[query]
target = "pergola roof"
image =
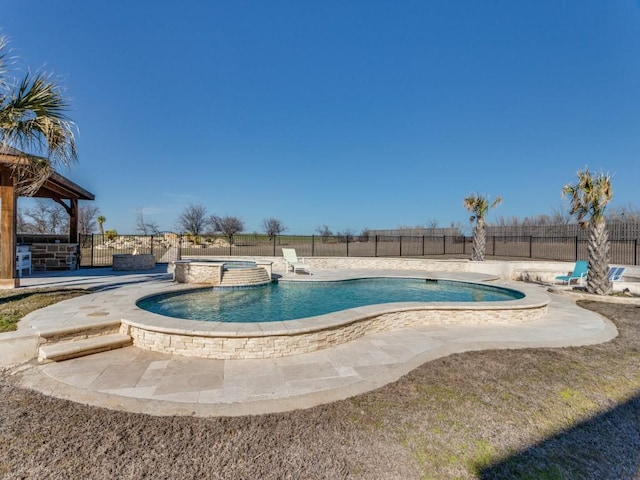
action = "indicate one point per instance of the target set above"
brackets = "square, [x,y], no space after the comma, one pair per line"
[56,186]
[60,189]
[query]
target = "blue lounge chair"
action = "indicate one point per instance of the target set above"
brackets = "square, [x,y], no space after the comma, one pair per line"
[615,273]
[579,274]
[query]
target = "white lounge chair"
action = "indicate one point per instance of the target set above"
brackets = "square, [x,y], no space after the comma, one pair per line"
[292,263]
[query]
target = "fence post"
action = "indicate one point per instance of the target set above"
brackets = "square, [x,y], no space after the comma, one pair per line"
[530,246]
[346,239]
[576,248]
[444,245]
[274,245]
[494,245]
[313,245]
[635,252]
[151,244]
[400,245]
[92,249]
[375,246]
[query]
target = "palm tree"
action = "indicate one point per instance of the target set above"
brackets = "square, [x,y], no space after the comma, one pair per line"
[479,207]
[589,198]
[101,219]
[33,120]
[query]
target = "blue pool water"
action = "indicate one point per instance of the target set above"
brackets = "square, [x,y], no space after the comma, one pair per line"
[291,300]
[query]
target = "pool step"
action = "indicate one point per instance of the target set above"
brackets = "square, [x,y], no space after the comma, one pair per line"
[238,277]
[57,352]
[63,343]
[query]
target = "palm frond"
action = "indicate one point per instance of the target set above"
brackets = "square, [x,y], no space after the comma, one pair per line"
[33,120]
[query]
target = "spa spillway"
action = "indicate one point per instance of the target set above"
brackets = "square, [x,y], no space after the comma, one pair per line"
[222,273]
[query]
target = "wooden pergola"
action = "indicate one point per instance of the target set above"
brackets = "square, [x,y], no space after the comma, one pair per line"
[56,187]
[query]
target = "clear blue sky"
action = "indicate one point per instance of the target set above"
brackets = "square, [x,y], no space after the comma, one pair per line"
[353,114]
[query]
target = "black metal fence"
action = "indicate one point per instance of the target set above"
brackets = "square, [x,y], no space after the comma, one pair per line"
[98,250]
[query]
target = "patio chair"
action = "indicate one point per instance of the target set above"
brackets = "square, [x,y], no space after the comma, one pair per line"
[615,273]
[23,260]
[579,274]
[291,261]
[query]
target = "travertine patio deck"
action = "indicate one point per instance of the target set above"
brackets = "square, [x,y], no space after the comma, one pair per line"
[137,380]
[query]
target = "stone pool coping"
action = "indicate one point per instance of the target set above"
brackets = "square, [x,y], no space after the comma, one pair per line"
[221,340]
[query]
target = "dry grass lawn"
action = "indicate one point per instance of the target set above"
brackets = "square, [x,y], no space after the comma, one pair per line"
[568,413]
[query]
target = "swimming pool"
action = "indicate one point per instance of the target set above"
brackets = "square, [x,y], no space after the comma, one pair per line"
[293,300]
[272,339]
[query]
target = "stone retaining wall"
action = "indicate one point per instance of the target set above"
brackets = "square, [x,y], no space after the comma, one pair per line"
[264,345]
[525,270]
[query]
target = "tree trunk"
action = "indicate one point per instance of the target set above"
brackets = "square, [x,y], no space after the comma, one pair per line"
[598,256]
[479,242]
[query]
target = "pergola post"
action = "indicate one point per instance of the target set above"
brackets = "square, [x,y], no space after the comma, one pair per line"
[74,215]
[9,199]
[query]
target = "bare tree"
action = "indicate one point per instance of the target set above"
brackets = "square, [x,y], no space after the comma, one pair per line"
[512,221]
[364,235]
[272,227]
[228,226]
[87,219]
[21,223]
[560,216]
[346,235]
[458,227]
[624,214]
[45,217]
[194,219]
[145,227]
[324,232]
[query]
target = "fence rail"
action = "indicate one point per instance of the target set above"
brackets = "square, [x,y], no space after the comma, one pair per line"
[98,250]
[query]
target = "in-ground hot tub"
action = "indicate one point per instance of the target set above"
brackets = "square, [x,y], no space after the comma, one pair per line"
[211,271]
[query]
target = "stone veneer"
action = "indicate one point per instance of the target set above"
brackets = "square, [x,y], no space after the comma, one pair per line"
[188,271]
[128,261]
[54,256]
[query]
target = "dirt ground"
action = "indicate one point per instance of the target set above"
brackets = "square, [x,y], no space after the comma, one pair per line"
[535,413]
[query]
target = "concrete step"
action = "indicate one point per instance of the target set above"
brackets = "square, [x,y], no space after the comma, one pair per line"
[79,332]
[59,351]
